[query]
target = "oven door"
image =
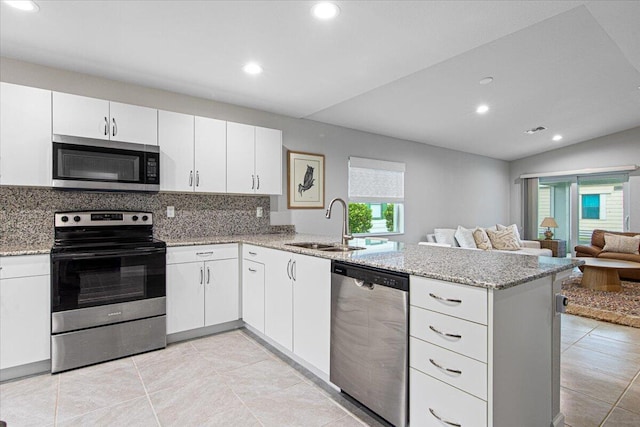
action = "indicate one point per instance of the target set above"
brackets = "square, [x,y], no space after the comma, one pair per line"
[104,165]
[81,279]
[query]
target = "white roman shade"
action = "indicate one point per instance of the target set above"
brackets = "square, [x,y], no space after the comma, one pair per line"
[375,180]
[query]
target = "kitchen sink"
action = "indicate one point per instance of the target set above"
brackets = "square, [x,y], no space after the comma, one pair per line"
[342,249]
[311,245]
[324,247]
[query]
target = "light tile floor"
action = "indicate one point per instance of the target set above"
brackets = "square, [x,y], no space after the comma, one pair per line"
[235,379]
[600,373]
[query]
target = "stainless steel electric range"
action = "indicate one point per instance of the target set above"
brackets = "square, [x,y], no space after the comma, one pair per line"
[108,287]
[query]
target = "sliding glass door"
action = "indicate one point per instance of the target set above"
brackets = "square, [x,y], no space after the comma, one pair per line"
[581,204]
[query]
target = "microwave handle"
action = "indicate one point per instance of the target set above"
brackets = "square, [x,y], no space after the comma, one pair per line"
[106,254]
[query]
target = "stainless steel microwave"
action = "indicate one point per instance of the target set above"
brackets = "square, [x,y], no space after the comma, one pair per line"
[96,164]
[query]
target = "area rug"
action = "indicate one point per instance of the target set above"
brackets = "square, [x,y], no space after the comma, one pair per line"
[622,307]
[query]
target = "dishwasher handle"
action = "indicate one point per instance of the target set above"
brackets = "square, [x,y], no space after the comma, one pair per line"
[362,284]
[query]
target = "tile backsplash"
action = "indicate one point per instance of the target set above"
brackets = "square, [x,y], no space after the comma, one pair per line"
[26,214]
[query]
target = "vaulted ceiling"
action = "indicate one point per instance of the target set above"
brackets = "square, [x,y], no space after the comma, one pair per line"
[406,69]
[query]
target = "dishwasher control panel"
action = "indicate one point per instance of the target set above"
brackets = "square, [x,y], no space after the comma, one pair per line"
[371,275]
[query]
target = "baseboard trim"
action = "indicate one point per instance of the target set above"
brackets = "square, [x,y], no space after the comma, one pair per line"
[207,330]
[26,370]
[558,421]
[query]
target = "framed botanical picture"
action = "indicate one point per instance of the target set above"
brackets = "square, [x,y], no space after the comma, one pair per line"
[305,180]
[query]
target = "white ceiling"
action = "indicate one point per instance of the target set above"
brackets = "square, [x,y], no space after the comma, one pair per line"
[406,69]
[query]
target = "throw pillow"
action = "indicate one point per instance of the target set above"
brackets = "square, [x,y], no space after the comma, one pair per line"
[445,235]
[504,240]
[464,237]
[482,239]
[514,230]
[621,244]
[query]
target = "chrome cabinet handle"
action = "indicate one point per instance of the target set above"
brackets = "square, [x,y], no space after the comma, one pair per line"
[209,277]
[453,371]
[289,269]
[252,253]
[252,270]
[115,126]
[439,298]
[204,253]
[201,275]
[293,270]
[258,187]
[190,178]
[444,334]
[106,126]
[443,420]
[197,178]
[253,182]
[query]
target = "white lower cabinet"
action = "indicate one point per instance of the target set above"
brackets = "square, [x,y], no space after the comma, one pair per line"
[296,301]
[25,310]
[202,286]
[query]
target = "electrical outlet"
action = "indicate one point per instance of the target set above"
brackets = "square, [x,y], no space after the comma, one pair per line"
[171,211]
[259,212]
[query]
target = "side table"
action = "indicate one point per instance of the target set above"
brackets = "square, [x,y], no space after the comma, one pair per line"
[558,247]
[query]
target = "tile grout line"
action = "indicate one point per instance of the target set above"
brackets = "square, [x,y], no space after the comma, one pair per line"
[615,405]
[55,413]
[146,392]
[246,406]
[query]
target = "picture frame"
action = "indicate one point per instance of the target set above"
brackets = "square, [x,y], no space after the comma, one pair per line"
[305,180]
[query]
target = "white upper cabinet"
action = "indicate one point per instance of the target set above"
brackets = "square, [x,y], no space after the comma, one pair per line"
[100,119]
[254,159]
[268,161]
[131,123]
[210,155]
[175,137]
[25,135]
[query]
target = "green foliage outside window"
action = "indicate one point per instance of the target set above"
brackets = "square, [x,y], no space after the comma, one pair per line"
[359,218]
[388,215]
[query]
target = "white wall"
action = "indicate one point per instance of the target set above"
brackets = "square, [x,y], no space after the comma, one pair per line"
[618,149]
[443,188]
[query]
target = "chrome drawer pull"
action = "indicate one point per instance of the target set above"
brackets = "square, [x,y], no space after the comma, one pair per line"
[453,371]
[455,301]
[444,334]
[204,253]
[443,420]
[252,270]
[252,253]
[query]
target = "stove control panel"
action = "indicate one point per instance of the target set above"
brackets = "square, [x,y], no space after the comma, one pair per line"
[102,218]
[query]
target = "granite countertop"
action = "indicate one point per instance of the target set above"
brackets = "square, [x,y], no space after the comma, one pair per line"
[488,269]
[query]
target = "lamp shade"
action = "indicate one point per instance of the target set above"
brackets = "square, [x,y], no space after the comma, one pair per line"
[549,222]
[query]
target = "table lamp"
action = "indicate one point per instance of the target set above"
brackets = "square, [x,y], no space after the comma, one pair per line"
[549,222]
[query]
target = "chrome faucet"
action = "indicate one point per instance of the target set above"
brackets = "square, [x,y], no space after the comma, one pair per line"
[346,236]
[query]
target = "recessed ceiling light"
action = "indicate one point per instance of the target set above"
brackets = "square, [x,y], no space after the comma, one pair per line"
[252,68]
[557,137]
[482,109]
[325,10]
[486,80]
[24,5]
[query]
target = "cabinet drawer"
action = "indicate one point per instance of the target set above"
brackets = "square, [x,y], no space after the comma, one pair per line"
[254,253]
[24,266]
[469,339]
[439,363]
[465,302]
[183,254]
[431,398]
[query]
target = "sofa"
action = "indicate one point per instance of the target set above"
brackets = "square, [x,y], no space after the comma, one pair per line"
[526,247]
[596,249]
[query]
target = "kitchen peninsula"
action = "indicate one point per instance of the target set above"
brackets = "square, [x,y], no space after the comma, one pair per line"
[502,305]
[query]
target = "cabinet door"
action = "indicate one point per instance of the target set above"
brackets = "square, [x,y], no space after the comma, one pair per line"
[210,155]
[185,297]
[268,161]
[278,297]
[131,123]
[25,135]
[240,158]
[253,294]
[175,137]
[222,291]
[80,116]
[25,316]
[312,310]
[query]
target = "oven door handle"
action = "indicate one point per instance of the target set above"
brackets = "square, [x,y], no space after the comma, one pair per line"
[107,254]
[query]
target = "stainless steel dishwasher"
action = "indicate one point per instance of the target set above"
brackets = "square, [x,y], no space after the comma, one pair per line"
[369,338]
